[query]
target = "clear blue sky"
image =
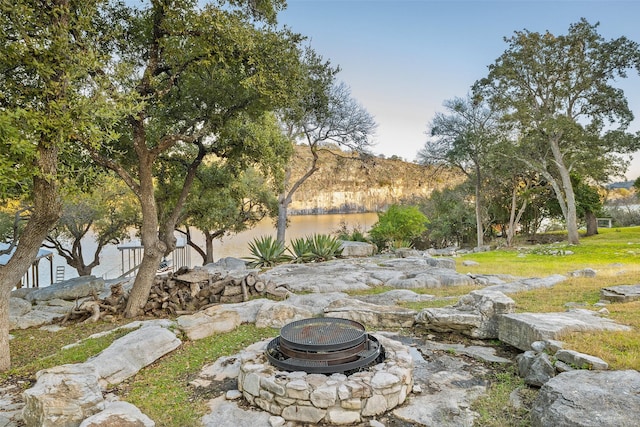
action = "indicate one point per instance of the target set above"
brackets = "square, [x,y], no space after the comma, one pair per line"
[403,58]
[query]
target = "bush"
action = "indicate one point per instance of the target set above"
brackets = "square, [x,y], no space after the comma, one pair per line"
[398,225]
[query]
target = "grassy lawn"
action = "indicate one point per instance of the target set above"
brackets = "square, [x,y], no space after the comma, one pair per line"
[162,392]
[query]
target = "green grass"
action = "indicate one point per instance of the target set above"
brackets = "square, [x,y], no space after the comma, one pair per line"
[162,390]
[611,249]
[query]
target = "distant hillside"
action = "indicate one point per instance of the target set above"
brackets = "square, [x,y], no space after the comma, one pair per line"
[346,183]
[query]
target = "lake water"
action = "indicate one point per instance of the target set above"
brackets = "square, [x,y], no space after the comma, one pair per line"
[231,246]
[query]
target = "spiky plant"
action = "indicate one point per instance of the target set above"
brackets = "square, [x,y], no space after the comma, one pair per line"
[266,252]
[324,247]
[301,250]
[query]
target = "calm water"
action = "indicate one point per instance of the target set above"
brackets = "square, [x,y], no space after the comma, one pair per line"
[230,246]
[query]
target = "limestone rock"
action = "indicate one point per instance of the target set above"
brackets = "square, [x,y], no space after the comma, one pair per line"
[535,368]
[316,303]
[18,307]
[63,396]
[394,296]
[528,284]
[119,414]
[581,360]
[372,315]
[522,329]
[622,293]
[127,355]
[476,314]
[226,413]
[214,320]
[278,315]
[584,398]
[40,315]
[71,289]
[357,249]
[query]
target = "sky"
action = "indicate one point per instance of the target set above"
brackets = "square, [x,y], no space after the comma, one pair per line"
[403,58]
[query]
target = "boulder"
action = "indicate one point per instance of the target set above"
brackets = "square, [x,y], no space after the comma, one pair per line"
[279,314]
[63,396]
[622,293]
[330,276]
[357,249]
[132,352]
[18,307]
[119,414]
[371,315]
[584,398]
[535,368]
[71,289]
[214,320]
[522,329]
[226,413]
[38,316]
[316,303]
[476,314]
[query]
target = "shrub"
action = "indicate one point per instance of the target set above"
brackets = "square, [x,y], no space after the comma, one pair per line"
[398,224]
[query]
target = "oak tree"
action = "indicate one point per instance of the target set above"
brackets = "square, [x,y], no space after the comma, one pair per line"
[559,91]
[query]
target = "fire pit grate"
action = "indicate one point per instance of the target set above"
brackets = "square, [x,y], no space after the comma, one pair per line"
[324,345]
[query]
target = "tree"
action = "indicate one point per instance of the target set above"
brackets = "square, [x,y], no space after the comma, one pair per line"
[106,212]
[463,138]
[324,113]
[451,217]
[558,91]
[185,72]
[231,197]
[48,53]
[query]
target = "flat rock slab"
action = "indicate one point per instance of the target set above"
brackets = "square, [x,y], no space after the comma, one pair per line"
[72,289]
[623,293]
[363,273]
[522,329]
[127,355]
[584,398]
[528,284]
[449,386]
[371,315]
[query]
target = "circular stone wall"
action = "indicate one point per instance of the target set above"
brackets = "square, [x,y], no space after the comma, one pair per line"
[334,398]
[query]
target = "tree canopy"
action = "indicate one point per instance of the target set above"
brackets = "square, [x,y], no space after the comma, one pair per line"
[559,92]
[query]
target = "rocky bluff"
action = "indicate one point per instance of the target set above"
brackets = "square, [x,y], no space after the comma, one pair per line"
[347,182]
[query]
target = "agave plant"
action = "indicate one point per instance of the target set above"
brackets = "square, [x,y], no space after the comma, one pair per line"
[324,247]
[301,250]
[266,252]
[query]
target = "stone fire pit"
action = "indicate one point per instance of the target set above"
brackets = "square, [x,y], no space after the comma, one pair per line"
[331,398]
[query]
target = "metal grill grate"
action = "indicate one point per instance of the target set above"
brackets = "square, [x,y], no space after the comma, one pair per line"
[324,345]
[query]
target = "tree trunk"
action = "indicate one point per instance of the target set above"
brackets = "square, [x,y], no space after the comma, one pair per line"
[592,223]
[479,227]
[46,211]
[571,217]
[209,247]
[281,226]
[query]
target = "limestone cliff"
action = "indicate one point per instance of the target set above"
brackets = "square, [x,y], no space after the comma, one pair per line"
[348,183]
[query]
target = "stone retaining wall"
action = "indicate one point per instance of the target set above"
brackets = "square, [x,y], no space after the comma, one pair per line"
[335,399]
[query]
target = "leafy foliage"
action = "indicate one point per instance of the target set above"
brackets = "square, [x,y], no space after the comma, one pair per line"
[397,225]
[452,218]
[266,252]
